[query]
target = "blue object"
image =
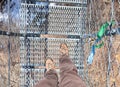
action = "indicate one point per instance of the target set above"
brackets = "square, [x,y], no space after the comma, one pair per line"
[91,56]
[118,30]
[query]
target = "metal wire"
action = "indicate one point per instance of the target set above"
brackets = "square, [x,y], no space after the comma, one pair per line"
[110,46]
[8,26]
[112,10]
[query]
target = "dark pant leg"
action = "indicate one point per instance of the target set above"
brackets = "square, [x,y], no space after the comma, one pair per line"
[50,80]
[68,73]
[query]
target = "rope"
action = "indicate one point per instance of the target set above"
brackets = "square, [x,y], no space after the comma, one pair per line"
[110,45]
[112,10]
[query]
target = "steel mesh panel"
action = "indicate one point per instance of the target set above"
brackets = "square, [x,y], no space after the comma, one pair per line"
[75,50]
[35,76]
[31,65]
[35,66]
[34,18]
[70,1]
[61,19]
[66,20]
[37,47]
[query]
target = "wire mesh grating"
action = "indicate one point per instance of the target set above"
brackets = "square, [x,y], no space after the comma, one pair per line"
[70,1]
[53,20]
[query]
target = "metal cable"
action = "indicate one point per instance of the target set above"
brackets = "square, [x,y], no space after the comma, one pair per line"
[8,26]
[110,46]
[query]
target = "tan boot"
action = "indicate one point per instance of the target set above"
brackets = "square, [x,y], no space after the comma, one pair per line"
[63,49]
[49,64]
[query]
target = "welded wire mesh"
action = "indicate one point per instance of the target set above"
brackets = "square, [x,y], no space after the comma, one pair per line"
[61,19]
[70,1]
[67,18]
[33,18]
[38,55]
[44,19]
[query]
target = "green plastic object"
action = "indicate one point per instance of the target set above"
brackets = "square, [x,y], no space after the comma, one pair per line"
[99,45]
[102,30]
[112,22]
